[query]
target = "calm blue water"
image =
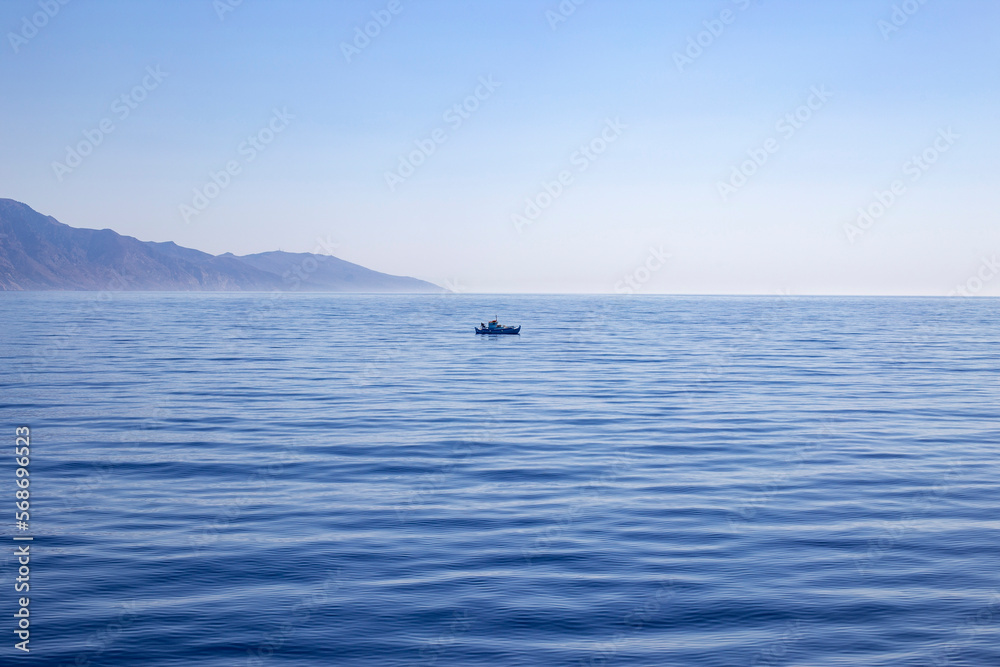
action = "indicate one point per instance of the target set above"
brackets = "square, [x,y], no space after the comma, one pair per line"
[348,480]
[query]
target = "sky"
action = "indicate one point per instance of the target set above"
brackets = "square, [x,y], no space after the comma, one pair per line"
[584,146]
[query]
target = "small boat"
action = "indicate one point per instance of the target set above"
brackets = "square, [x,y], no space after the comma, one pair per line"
[494,328]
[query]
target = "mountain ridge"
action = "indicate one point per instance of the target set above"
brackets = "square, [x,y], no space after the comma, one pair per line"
[37,252]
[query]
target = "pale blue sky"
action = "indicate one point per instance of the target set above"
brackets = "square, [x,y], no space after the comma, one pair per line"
[653,191]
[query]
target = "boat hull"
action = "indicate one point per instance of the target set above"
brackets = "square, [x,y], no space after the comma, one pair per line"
[494,332]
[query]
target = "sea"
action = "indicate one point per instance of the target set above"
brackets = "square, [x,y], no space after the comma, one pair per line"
[361,480]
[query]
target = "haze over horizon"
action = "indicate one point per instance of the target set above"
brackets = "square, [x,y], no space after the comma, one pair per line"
[526,146]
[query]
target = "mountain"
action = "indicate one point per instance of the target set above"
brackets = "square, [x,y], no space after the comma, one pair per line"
[37,252]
